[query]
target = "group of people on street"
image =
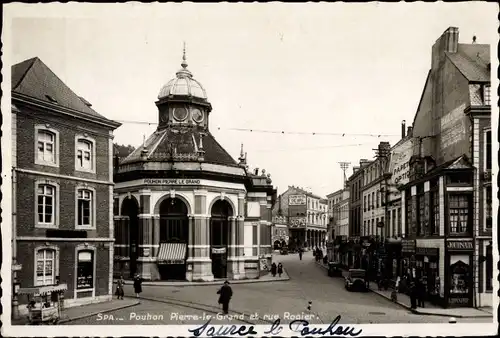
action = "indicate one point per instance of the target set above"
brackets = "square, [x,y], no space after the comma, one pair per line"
[418,291]
[318,254]
[276,269]
[120,283]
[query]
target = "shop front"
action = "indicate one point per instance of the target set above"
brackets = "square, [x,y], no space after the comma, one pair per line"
[406,262]
[459,274]
[427,269]
[393,251]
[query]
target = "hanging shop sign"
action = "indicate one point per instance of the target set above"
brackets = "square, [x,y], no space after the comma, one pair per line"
[171,181]
[427,251]
[218,250]
[459,245]
[297,200]
[408,245]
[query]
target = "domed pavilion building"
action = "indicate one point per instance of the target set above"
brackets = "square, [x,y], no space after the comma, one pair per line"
[184,208]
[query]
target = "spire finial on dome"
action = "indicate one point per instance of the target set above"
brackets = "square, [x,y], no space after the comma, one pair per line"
[184,63]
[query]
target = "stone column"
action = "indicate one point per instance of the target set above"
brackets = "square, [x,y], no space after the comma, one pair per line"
[199,264]
[145,241]
[233,259]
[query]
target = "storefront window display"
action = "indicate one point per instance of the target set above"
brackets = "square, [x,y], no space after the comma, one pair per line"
[459,278]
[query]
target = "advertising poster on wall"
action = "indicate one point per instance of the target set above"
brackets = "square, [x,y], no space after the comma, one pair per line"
[400,163]
[297,200]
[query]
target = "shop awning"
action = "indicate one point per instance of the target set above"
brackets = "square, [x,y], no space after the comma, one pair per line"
[172,253]
[43,290]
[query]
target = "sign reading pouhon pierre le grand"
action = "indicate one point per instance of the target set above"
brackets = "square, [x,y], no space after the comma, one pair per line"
[171,181]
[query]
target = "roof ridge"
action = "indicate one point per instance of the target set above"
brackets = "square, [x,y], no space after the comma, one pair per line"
[31,62]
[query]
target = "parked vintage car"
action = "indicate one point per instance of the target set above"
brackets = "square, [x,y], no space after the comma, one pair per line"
[356,280]
[334,269]
[284,250]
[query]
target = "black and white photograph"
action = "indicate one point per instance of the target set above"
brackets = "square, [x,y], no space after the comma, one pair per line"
[249,169]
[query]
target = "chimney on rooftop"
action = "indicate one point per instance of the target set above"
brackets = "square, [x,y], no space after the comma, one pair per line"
[403,128]
[409,131]
[447,43]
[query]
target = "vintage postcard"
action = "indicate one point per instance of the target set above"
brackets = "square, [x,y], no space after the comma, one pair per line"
[266,169]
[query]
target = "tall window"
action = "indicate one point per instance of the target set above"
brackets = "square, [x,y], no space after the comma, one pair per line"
[46,201]
[421,214]
[435,212]
[45,267]
[459,213]
[85,270]
[400,224]
[409,214]
[84,212]
[488,207]
[487,95]
[364,203]
[488,150]
[46,146]
[395,225]
[369,203]
[84,154]
[489,268]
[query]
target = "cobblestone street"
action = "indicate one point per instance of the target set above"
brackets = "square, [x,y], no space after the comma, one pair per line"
[286,299]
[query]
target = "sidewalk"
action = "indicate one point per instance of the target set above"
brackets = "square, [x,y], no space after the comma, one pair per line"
[83,311]
[263,279]
[430,309]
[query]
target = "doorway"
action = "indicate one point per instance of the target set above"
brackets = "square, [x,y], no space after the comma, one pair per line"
[174,228]
[130,208]
[219,237]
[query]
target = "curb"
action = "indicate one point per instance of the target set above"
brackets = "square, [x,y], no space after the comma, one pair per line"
[97,312]
[423,313]
[237,281]
[486,315]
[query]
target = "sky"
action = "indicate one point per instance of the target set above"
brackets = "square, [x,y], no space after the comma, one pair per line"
[310,68]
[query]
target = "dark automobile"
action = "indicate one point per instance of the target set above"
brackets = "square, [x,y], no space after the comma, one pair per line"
[356,280]
[334,269]
[284,250]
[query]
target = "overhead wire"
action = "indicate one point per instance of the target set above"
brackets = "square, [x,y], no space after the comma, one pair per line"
[282,132]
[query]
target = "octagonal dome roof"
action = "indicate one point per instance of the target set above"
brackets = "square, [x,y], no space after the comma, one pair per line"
[183,84]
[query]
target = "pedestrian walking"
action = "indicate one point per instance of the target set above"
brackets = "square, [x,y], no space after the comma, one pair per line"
[119,288]
[225,293]
[137,285]
[300,253]
[273,269]
[413,295]
[280,269]
[421,289]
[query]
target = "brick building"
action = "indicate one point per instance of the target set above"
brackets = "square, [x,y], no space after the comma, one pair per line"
[184,208]
[62,187]
[447,202]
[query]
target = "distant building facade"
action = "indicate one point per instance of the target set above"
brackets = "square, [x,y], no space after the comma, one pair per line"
[62,188]
[307,216]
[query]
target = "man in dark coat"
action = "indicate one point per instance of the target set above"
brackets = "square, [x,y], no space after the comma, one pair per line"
[225,293]
[413,295]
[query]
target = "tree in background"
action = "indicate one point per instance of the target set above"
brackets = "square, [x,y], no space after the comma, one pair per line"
[122,151]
